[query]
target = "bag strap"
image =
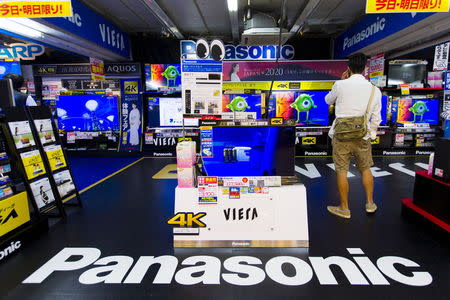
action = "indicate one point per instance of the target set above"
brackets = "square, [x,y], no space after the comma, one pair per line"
[370,101]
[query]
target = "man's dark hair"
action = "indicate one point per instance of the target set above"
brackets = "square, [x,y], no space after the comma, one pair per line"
[17,80]
[357,63]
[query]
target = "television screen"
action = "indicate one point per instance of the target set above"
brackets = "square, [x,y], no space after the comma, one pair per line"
[308,108]
[164,112]
[384,105]
[249,103]
[163,77]
[9,67]
[416,111]
[406,73]
[88,112]
[250,151]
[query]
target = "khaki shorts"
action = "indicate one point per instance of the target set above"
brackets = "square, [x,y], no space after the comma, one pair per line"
[343,151]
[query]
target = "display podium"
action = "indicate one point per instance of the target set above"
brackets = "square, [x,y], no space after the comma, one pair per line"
[276,218]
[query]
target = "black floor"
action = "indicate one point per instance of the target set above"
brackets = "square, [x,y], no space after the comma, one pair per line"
[126,215]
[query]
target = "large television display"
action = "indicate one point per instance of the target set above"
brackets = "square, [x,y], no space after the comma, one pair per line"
[164,112]
[308,108]
[250,103]
[9,67]
[251,151]
[406,73]
[88,113]
[409,110]
[163,77]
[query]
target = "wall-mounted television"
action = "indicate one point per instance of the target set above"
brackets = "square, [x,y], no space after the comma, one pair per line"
[164,111]
[163,77]
[250,151]
[248,103]
[308,108]
[88,113]
[9,67]
[408,110]
[413,74]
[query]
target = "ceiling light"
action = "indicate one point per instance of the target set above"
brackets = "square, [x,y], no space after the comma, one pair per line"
[232,5]
[19,29]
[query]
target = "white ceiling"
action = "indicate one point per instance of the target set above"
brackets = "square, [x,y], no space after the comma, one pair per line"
[210,18]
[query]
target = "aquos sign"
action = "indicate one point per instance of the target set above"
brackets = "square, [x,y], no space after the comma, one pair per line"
[240,52]
[21,51]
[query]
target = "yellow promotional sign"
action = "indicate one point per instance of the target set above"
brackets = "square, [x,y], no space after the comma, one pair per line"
[35,9]
[33,164]
[404,89]
[376,141]
[309,140]
[376,74]
[276,121]
[131,87]
[402,6]
[97,69]
[278,85]
[55,157]
[14,212]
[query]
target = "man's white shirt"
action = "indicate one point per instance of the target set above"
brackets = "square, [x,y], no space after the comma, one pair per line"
[351,97]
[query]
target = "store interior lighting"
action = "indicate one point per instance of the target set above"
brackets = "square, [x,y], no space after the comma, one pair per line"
[232,5]
[18,28]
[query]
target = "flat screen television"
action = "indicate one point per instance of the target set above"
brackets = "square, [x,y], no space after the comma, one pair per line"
[88,113]
[164,112]
[308,108]
[249,103]
[413,74]
[409,110]
[163,77]
[251,151]
[384,107]
[9,67]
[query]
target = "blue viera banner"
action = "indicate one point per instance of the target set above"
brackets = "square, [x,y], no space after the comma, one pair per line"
[131,115]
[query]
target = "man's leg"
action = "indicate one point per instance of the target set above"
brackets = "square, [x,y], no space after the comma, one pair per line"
[367,181]
[342,183]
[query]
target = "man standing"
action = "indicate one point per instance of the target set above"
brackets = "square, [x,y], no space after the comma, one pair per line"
[351,97]
[20,98]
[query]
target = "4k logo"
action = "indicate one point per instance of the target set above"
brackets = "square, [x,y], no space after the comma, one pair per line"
[376,141]
[13,214]
[131,87]
[276,121]
[187,220]
[309,140]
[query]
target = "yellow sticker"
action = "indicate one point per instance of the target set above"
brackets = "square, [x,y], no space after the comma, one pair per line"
[276,121]
[131,87]
[309,140]
[402,6]
[14,212]
[36,9]
[376,141]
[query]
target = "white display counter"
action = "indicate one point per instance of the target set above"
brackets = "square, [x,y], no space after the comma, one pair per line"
[276,219]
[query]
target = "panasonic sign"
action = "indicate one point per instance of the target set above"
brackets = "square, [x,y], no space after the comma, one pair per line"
[236,270]
[267,52]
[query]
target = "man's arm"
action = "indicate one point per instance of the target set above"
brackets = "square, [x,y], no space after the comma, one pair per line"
[331,97]
[375,115]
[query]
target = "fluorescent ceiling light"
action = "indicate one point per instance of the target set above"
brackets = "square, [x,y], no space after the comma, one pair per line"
[19,29]
[232,5]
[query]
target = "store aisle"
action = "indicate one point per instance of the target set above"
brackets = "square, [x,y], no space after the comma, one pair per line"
[88,170]
[125,216]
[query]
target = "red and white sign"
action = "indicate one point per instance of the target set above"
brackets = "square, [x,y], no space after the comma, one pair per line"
[208,189]
[376,65]
[441,57]
[97,69]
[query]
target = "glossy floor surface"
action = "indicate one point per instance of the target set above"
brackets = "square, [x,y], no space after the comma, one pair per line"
[126,215]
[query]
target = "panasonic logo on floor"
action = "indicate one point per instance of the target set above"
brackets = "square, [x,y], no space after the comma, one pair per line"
[10,249]
[236,270]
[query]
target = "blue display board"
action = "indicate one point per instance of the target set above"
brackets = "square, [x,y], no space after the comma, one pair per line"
[131,116]
[9,67]
[88,113]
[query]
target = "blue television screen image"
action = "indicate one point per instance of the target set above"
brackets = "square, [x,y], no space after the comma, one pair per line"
[250,151]
[384,104]
[88,113]
[9,67]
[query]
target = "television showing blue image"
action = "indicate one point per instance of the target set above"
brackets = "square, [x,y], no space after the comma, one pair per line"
[9,67]
[250,151]
[384,105]
[88,113]
[407,110]
[249,103]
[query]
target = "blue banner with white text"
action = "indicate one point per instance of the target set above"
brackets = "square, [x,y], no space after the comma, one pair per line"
[131,116]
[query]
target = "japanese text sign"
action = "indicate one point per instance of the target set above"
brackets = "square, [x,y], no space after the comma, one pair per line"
[406,6]
[97,69]
[35,9]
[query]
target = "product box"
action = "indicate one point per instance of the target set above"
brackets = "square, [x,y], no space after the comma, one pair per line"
[186,177]
[186,154]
